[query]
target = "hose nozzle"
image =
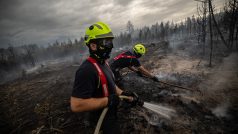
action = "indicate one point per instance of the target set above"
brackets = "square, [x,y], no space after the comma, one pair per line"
[140,102]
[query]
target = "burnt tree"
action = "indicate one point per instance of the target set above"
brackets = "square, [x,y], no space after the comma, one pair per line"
[203,23]
[231,10]
[29,55]
[215,23]
[211,34]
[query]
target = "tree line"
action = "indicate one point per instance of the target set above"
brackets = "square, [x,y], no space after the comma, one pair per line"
[19,58]
[205,28]
[224,22]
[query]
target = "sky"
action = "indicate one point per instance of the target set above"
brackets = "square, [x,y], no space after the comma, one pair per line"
[45,21]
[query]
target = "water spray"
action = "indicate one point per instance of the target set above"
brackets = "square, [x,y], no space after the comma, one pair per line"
[161,110]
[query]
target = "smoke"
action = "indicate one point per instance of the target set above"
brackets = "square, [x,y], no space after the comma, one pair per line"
[166,76]
[40,66]
[221,110]
[225,76]
[220,87]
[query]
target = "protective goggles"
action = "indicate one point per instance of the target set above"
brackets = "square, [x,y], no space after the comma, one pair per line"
[106,43]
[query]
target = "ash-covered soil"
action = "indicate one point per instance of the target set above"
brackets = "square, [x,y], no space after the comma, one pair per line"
[39,102]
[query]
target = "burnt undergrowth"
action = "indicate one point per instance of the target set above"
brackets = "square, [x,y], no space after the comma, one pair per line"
[39,103]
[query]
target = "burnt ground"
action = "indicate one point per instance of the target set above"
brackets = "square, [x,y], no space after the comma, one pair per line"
[39,102]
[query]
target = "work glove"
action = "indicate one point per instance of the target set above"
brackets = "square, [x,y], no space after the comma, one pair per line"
[113,101]
[139,73]
[155,79]
[135,101]
[127,93]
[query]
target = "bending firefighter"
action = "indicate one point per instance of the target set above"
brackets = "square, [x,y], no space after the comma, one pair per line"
[130,59]
[94,86]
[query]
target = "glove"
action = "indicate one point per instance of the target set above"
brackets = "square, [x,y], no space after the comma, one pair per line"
[155,79]
[139,73]
[135,101]
[113,101]
[127,93]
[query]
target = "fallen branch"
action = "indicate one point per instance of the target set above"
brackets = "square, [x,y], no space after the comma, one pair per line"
[43,81]
[58,130]
[173,85]
[38,132]
[176,85]
[189,89]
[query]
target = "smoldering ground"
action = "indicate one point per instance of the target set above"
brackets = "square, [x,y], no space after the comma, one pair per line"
[40,102]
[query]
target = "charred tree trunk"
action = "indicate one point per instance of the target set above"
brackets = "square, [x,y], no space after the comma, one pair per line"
[211,34]
[237,38]
[232,23]
[215,23]
[29,56]
[204,25]
[2,54]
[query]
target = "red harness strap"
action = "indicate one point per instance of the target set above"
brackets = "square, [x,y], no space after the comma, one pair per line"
[110,69]
[122,55]
[101,75]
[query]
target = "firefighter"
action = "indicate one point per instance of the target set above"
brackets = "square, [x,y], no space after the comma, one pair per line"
[94,85]
[130,59]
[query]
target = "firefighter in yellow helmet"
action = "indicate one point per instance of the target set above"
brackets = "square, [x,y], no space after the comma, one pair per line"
[130,59]
[94,85]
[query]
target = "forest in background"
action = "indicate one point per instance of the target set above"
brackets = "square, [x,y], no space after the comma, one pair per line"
[210,31]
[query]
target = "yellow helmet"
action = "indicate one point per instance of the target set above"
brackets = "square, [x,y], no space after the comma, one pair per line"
[98,30]
[139,49]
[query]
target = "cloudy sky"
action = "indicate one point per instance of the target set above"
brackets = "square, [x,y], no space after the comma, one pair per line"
[45,21]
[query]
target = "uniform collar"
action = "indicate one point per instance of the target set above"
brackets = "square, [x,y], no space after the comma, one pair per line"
[100,61]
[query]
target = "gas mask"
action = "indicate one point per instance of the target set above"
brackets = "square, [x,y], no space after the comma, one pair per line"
[104,48]
[137,55]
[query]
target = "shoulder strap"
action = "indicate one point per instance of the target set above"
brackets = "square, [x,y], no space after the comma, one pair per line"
[101,75]
[123,55]
[110,70]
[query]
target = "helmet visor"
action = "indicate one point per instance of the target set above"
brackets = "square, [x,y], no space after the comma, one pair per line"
[106,43]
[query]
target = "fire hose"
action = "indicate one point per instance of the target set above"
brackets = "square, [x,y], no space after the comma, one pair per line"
[103,114]
[139,102]
[100,120]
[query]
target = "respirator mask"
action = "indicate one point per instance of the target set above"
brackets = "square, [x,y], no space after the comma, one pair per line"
[104,48]
[137,55]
